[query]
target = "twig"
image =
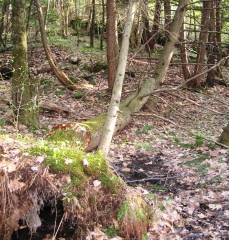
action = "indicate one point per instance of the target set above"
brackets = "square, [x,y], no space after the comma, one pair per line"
[150,178]
[54,237]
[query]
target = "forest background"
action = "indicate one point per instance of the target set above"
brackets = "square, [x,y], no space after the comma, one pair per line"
[87,46]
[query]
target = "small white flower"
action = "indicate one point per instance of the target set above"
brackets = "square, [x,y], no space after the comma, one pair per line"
[68,161]
[85,162]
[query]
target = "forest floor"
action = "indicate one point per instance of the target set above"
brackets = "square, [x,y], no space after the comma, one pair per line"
[166,153]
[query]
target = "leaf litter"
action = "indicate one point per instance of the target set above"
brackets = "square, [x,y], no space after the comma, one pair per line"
[183,177]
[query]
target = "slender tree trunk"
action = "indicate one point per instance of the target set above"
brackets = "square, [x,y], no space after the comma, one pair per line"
[113,111]
[92,28]
[89,22]
[212,49]
[218,30]
[103,25]
[24,88]
[205,21]
[61,76]
[183,55]
[63,11]
[46,12]
[169,47]
[145,26]
[5,7]
[167,12]
[112,43]
[156,25]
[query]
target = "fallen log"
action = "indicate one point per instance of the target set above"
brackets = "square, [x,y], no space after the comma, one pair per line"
[89,132]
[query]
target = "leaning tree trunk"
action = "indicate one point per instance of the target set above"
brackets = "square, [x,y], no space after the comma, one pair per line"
[61,76]
[24,88]
[169,47]
[113,110]
[89,132]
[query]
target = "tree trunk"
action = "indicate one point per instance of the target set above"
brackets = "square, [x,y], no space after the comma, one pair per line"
[212,50]
[145,26]
[92,28]
[91,130]
[167,12]
[112,43]
[61,76]
[218,28]
[205,21]
[103,26]
[5,9]
[156,25]
[169,47]
[113,110]
[24,88]
[183,55]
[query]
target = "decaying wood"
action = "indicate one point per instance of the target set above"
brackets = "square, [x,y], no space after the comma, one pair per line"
[52,107]
[90,131]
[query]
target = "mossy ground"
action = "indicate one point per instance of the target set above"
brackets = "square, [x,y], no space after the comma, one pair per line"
[66,158]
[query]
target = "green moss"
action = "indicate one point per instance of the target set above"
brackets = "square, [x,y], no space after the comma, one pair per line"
[95,123]
[134,210]
[71,137]
[61,157]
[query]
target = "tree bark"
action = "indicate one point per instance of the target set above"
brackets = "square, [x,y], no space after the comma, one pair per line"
[61,76]
[156,24]
[183,55]
[169,47]
[167,12]
[91,130]
[5,8]
[205,21]
[92,28]
[103,25]
[112,43]
[113,110]
[24,88]
[212,50]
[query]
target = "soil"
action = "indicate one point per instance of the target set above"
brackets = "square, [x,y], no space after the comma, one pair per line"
[165,153]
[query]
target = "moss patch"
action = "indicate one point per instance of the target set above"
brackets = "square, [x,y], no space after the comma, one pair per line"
[95,123]
[81,166]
